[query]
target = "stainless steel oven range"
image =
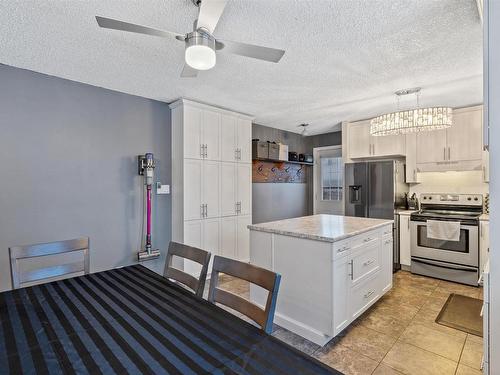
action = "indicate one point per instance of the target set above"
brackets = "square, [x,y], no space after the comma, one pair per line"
[455,260]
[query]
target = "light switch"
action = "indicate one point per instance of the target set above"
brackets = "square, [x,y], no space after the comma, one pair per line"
[162,189]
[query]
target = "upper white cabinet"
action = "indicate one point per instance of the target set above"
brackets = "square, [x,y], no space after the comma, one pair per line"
[363,145]
[211,179]
[235,133]
[457,148]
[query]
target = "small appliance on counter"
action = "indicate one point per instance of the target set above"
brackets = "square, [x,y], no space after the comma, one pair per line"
[306,158]
[293,156]
[412,202]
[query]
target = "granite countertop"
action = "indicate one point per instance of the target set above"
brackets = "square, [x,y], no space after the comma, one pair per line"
[329,228]
[484,217]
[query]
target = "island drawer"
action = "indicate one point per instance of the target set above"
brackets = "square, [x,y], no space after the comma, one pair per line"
[365,261]
[341,248]
[365,294]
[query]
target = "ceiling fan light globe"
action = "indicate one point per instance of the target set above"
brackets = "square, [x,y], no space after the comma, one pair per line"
[200,57]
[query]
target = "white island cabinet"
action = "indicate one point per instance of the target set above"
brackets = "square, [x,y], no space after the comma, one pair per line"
[332,269]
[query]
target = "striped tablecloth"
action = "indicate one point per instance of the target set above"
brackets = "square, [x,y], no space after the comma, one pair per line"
[131,320]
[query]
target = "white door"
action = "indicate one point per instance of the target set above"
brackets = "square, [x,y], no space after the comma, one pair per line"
[228,189]
[228,137]
[328,181]
[228,243]
[244,140]
[211,191]
[404,240]
[211,134]
[431,146]
[193,236]
[465,137]
[193,189]
[244,188]
[388,145]
[359,140]
[192,133]
[244,238]
[341,288]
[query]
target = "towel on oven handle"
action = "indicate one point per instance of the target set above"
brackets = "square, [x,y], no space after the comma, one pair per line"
[443,230]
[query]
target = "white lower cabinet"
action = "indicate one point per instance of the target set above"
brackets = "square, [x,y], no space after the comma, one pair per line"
[404,240]
[387,263]
[235,237]
[203,234]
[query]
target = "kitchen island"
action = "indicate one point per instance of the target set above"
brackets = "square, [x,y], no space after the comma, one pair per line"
[332,269]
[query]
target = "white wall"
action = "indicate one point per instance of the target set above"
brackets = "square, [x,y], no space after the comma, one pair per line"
[470,182]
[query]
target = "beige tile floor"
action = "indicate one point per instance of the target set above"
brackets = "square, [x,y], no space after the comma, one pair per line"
[397,335]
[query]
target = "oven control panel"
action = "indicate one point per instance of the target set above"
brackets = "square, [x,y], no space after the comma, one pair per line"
[452,199]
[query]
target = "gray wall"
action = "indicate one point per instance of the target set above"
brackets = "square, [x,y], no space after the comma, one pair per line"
[276,201]
[68,167]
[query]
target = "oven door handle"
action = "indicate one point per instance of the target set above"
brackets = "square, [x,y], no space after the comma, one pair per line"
[439,264]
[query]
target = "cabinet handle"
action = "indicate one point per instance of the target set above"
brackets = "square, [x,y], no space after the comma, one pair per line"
[206,151]
[387,242]
[352,268]
[202,154]
[370,293]
[449,153]
[345,248]
[368,262]
[206,209]
[444,153]
[202,209]
[239,154]
[484,173]
[408,220]
[367,239]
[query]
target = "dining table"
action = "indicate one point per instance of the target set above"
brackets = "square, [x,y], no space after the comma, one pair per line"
[131,320]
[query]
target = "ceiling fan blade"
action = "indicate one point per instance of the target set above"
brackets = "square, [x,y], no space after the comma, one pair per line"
[210,12]
[109,23]
[188,72]
[250,50]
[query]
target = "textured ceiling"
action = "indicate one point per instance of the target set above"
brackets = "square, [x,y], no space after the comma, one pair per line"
[343,59]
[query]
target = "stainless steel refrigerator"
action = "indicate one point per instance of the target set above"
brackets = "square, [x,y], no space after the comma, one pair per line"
[377,190]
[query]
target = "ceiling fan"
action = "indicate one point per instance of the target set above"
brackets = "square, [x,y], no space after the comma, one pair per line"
[200,44]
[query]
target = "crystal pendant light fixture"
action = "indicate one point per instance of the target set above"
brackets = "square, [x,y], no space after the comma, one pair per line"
[413,120]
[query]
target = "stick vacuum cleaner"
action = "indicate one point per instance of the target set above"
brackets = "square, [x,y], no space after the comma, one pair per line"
[146,166]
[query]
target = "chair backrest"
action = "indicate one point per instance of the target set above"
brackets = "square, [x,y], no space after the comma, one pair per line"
[38,275]
[259,276]
[194,254]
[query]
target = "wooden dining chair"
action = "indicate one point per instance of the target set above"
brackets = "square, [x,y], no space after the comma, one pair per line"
[39,263]
[194,254]
[259,276]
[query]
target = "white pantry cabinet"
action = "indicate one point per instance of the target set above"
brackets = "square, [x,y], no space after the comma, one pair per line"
[211,179]
[235,132]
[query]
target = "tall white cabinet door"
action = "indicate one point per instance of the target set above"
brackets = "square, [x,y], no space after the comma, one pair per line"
[243,237]
[193,236]
[193,189]
[192,133]
[431,146]
[210,127]
[404,240]
[244,184]
[359,140]
[211,188]
[228,128]
[386,258]
[244,140]
[465,137]
[228,189]
[341,288]
[228,243]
